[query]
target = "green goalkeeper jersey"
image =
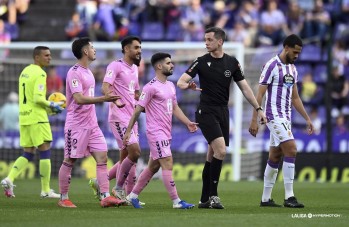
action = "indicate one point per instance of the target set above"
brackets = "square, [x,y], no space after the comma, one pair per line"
[32,82]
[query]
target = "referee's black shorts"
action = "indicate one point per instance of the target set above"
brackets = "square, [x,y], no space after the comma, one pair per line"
[213,122]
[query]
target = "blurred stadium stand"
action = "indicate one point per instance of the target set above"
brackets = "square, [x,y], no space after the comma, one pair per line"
[46,20]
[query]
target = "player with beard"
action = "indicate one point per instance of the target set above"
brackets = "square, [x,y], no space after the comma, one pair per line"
[82,135]
[122,78]
[159,101]
[278,81]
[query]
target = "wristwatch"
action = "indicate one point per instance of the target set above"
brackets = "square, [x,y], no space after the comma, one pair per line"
[259,108]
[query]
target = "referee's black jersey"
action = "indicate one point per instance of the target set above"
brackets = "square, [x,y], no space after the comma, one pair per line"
[215,75]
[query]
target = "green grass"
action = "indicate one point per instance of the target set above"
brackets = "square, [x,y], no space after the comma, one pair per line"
[241,201]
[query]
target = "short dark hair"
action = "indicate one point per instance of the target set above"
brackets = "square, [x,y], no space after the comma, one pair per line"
[77,46]
[129,40]
[218,33]
[292,41]
[158,57]
[37,50]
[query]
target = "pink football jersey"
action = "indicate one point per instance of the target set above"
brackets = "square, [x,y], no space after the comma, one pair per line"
[124,80]
[158,99]
[80,79]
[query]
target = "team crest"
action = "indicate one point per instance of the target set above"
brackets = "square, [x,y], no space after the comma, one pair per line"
[75,83]
[209,64]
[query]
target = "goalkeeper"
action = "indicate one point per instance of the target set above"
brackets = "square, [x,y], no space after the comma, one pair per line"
[35,129]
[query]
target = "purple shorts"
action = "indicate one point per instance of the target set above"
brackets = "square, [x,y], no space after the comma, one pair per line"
[80,143]
[119,128]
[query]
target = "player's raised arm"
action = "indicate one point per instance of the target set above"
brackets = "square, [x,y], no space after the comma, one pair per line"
[107,89]
[85,100]
[185,82]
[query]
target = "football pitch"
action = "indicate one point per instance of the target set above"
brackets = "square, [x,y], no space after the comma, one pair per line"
[326,204]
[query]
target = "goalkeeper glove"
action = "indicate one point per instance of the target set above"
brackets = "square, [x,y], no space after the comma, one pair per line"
[56,107]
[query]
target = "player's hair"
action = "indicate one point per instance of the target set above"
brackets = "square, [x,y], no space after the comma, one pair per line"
[128,40]
[77,46]
[158,57]
[37,50]
[218,33]
[292,41]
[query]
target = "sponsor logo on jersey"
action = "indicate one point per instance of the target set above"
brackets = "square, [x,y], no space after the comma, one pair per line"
[288,80]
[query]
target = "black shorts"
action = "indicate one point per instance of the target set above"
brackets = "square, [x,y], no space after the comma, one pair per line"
[213,122]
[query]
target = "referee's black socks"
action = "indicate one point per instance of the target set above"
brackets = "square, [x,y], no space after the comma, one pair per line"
[215,172]
[205,193]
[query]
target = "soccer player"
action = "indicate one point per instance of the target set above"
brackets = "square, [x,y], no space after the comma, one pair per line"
[35,130]
[216,71]
[122,78]
[158,99]
[83,137]
[279,81]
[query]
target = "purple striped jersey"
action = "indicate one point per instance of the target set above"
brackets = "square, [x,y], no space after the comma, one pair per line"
[280,79]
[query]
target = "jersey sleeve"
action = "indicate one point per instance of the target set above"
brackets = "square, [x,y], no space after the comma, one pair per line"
[74,82]
[174,96]
[266,74]
[137,87]
[295,75]
[111,73]
[238,75]
[145,96]
[193,68]
[40,85]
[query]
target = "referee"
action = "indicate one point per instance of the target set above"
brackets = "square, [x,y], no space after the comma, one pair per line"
[216,71]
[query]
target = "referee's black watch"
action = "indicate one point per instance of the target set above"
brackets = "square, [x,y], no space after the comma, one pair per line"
[259,108]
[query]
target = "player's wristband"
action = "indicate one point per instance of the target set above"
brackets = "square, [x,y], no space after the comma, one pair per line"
[259,108]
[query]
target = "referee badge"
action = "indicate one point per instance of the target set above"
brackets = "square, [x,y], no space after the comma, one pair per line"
[227,73]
